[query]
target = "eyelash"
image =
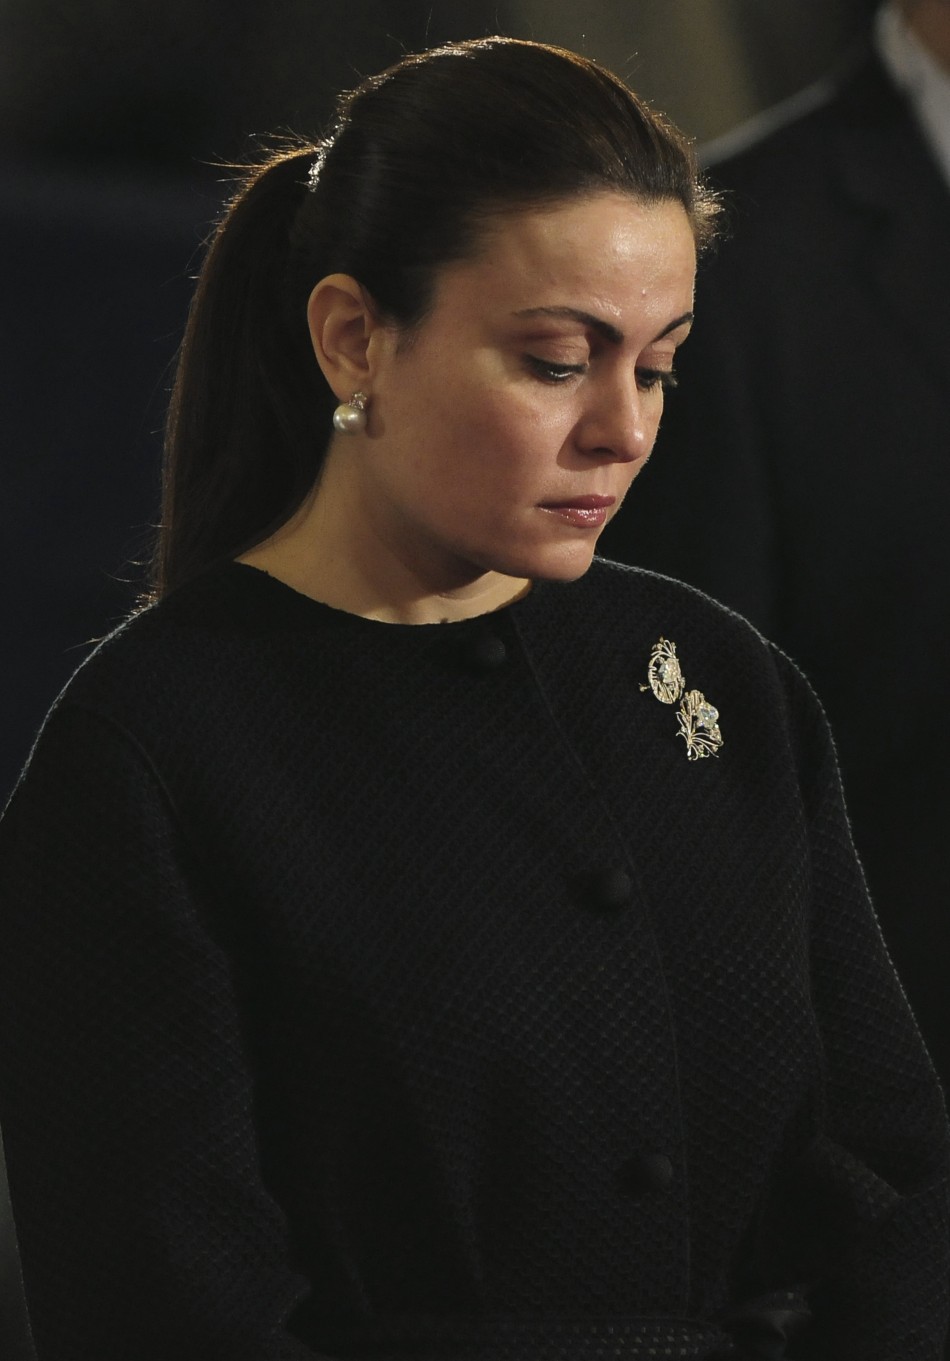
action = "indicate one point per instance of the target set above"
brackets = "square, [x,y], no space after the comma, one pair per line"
[647,379]
[553,373]
[651,378]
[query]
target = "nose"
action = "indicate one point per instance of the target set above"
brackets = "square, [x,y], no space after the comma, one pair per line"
[618,426]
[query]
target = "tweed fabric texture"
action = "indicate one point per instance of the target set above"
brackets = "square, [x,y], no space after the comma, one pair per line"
[376,991]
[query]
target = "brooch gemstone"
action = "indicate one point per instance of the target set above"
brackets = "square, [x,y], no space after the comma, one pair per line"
[697,719]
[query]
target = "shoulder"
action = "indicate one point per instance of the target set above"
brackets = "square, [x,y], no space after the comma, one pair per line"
[187,683]
[805,131]
[803,185]
[805,197]
[173,658]
[614,591]
[712,631]
[598,644]
[628,609]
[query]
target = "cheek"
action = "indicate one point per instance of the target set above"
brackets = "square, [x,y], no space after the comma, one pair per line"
[470,431]
[515,428]
[510,453]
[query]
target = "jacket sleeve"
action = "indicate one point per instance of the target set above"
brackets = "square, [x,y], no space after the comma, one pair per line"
[126,1091]
[878,1167]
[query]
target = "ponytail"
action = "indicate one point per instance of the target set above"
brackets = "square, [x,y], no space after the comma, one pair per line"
[249,408]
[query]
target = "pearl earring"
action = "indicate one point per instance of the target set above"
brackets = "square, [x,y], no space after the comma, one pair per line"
[350,417]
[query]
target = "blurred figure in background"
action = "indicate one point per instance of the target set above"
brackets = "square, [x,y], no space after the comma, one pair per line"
[806,454]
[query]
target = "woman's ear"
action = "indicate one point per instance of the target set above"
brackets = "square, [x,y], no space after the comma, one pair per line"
[342,319]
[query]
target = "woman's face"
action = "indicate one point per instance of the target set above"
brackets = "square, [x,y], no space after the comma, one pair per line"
[506,430]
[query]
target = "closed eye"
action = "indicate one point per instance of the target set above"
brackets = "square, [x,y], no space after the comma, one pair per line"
[651,378]
[550,372]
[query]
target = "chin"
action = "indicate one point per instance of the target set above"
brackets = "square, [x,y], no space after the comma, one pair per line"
[563,563]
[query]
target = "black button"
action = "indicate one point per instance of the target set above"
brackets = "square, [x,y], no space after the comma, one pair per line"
[646,1172]
[610,890]
[488,652]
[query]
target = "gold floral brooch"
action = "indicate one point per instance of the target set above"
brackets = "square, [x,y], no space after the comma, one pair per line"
[698,719]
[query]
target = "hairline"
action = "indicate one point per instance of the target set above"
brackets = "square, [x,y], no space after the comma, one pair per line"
[494,213]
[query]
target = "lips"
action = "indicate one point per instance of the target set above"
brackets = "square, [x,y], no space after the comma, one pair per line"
[584,512]
[581,503]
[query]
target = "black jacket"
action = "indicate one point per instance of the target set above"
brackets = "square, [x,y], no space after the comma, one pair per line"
[372,990]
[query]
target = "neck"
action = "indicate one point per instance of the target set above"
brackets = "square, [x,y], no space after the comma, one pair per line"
[318,553]
[929,20]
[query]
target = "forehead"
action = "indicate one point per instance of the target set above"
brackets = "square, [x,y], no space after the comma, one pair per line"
[608,252]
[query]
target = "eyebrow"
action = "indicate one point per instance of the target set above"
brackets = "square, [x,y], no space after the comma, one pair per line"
[603,328]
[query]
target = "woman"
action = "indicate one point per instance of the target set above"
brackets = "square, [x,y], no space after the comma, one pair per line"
[420,965]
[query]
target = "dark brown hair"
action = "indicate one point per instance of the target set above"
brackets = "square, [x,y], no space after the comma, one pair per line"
[419,157]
